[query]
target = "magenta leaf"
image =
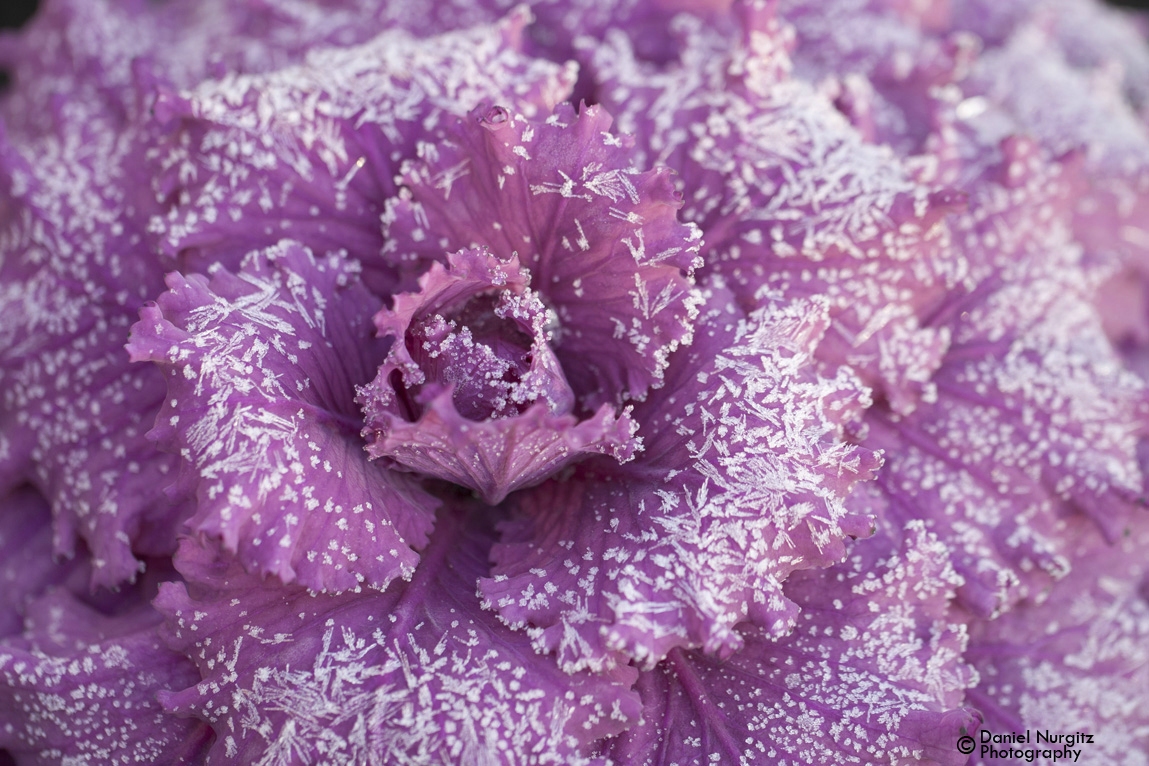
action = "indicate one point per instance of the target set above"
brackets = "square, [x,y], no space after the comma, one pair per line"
[80,687]
[1072,75]
[873,673]
[1076,658]
[1036,419]
[1090,117]
[789,197]
[106,56]
[600,239]
[311,151]
[262,367]
[74,266]
[418,673]
[471,391]
[27,567]
[743,481]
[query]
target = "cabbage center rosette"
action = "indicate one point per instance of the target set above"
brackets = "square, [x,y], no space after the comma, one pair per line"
[471,391]
[569,283]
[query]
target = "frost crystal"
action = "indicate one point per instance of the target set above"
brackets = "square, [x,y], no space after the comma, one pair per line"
[417,674]
[867,676]
[262,367]
[580,382]
[741,482]
[471,391]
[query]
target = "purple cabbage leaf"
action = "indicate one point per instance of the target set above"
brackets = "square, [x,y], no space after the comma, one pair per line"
[743,480]
[261,368]
[80,686]
[418,673]
[471,390]
[872,673]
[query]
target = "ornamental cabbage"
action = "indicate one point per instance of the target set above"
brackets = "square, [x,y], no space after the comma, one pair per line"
[643,382]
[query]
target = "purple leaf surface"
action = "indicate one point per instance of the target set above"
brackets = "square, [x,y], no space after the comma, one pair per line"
[74,266]
[789,197]
[1036,419]
[311,151]
[27,566]
[786,404]
[471,391]
[742,481]
[80,687]
[1075,658]
[886,63]
[262,367]
[872,674]
[600,238]
[418,673]
[1072,75]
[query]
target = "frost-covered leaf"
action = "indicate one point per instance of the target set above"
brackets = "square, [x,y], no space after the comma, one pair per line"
[262,367]
[1097,38]
[27,566]
[1088,114]
[471,391]
[789,197]
[649,23]
[1068,110]
[1075,659]
[78,414]
[600,238]
[79,687]
[417,674]
[1069,73]
[1036,419]
[74,266]
[311,151]
[104,56]
[742,481]
[886,63]
[872,674]
[72,63]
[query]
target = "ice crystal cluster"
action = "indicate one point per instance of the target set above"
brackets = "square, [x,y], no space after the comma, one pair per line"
[609,381]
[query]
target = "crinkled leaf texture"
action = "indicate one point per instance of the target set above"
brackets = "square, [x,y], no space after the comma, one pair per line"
[1068,110]
[417,674]
[1069,73]
[106,54]
[1076,659]
[27,567]
[886,64]
[600,238]
[1036,419]
[789,196]
[561,22]
[743,480]
[1098,39]
[262,367]
[872,674]
[475,338]
[311,151]
[74,266]
[79,687]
